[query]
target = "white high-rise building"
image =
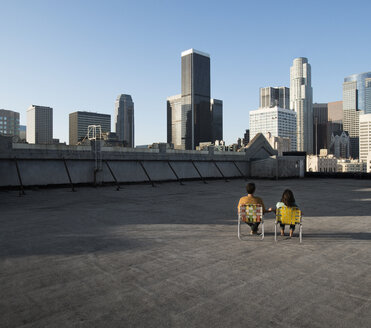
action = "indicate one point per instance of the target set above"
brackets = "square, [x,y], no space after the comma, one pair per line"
[364,136]
[301,101]
[280,122]
[124,119]
[39,125]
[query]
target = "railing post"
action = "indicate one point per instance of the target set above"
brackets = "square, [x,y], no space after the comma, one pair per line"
[109,168]
[21,189]
[145,171]
[220,171]
[242,175]
[194,165]
[68,174]
[176,175]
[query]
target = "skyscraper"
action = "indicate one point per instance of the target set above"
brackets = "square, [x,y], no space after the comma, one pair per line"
[39,125]
[124,119]
[9,123]
[216,108]
[301,102]
[351,114]
[360,86]
[368,96]
[279,122]
[80,120]
[271,97]
[320,125]
[174,122]
[364,136]
[196,98]
[192,117]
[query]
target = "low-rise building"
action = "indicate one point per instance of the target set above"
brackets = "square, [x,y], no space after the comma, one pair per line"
[368,163]
[321,163]
[351,165]
[340,144]
[281,144]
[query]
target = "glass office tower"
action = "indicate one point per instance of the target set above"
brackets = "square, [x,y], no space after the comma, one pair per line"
[360,80]
[196,114]
[124,119]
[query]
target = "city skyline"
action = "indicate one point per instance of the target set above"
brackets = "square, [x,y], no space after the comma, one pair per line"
[62,70]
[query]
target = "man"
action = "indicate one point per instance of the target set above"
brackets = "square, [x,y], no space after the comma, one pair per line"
[251,199]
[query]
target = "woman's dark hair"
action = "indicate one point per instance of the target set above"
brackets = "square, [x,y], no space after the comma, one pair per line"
[288,198]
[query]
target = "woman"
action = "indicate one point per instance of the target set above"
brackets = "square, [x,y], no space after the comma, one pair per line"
[288,200]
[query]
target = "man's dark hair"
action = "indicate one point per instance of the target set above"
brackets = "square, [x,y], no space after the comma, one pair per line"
[288,198]
[250,188]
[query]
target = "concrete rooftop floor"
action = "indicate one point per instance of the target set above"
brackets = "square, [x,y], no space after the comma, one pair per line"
[169,257]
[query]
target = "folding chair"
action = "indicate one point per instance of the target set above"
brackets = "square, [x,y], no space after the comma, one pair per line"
[251,213]
[289,216]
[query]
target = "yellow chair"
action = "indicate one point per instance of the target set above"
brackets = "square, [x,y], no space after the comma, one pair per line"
[289,216]
[251,213]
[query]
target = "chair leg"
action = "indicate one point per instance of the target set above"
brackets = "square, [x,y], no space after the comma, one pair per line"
[238,231]
[301,233]
[275,231]
[262,230]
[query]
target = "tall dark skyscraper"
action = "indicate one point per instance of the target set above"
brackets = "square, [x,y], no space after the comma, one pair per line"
[216,108]
[196,98]
[192,117]
[124,119]
[320,126]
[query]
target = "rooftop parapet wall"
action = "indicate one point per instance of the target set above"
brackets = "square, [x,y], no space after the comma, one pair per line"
[28,165]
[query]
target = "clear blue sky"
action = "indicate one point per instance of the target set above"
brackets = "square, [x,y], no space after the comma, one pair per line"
[79,55]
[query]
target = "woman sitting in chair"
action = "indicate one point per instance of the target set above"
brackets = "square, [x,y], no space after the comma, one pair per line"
[287,200]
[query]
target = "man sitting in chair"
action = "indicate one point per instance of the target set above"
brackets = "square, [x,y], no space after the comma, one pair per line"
[251,199]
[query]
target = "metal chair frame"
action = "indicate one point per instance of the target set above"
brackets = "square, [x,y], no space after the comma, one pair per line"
[251,213]
[289,216]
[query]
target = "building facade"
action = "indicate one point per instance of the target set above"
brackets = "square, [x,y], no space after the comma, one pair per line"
[195,117]
[280,144]
[216,108]
[340,144]
[23,132]
[335,111]
[272,97]
[316,163]
[9,123]
[124,119]
[174,122]
[320,126]
[368,95]
[364,136]
[246,137]
[79,122]
[278,121]
[351,114]
[302,103]
[348,165]
[360,81]
[39,125]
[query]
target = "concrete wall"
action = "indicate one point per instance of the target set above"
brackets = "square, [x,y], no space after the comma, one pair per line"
[46,164]
[278,167]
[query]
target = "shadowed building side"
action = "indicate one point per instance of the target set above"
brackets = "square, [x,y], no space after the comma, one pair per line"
[39,125]
[124,119]
[79,122]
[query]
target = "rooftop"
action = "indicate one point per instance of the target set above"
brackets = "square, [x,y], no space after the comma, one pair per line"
[169,257]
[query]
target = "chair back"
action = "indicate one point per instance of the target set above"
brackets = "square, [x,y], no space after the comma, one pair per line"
[288,215]
[251,213]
